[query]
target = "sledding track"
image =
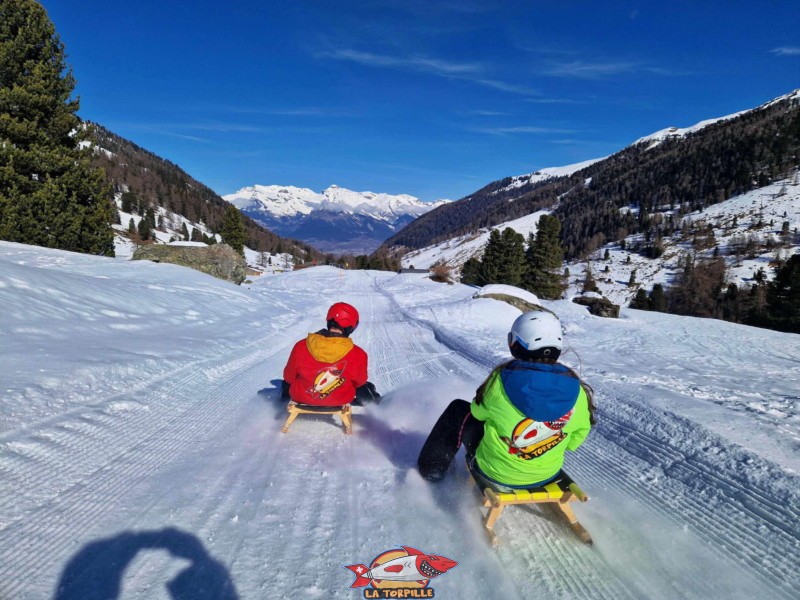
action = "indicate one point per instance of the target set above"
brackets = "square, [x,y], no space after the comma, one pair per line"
[284,513]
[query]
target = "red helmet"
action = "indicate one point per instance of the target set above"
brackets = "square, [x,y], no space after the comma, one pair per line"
[344,315]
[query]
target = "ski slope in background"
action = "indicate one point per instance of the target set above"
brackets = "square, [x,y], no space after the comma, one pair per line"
[141,453]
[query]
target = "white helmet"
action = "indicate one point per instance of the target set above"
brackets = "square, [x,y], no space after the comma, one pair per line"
[535,334]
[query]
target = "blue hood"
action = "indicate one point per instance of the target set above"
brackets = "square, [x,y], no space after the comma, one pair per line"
[540,391]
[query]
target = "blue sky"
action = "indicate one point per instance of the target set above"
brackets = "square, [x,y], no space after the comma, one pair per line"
[433,99]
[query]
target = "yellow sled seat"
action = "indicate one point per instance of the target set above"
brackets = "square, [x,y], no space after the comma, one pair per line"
[296,409]
[558,494]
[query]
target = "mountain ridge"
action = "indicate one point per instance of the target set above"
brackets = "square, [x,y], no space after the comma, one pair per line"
[685,168]
[336,219]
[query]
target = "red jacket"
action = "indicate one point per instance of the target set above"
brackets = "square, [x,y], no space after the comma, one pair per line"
[325,371]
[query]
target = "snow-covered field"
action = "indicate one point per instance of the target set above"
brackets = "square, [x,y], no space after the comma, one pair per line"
[141,453]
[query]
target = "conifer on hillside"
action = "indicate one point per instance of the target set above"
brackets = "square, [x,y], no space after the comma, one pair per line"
[783,296]
[503,261]
[545,257]
[232,230]
[657,299]
[640,300]
[504,258]
[49,193]
[471,272]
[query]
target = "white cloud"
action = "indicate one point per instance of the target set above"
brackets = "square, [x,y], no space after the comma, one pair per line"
[471,72]
[786,51]
[587,70]
[519,129]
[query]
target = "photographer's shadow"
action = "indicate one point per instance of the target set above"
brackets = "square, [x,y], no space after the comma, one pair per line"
[97,571]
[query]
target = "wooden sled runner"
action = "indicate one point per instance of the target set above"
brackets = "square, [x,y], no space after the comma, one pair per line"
[558,494]
[296,409]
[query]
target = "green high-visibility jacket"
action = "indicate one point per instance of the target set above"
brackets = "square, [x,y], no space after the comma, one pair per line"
[532,414]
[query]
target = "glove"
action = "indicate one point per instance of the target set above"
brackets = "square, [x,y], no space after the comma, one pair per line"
[367,393]
[285,391]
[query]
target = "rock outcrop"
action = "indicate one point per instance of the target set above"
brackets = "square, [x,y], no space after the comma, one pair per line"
[597,305]
[219,260]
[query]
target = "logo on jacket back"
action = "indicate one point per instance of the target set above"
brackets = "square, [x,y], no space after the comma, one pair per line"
[400,573]
[530,439]
[327,380]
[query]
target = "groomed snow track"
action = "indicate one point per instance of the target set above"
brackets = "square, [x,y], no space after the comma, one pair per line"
[196,461]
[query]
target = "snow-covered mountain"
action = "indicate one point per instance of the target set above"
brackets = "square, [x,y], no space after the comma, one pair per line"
[336,220]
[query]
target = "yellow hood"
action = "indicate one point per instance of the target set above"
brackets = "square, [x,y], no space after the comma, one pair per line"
[328,349]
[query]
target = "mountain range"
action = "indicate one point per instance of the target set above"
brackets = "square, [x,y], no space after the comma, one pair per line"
[336,220]
[671,172]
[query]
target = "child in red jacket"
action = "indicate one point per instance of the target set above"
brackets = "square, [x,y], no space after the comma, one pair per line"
[327,368]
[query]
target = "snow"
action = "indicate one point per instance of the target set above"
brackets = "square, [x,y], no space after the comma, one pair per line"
[549,173]
[508,290]
[140,442]
[189,244]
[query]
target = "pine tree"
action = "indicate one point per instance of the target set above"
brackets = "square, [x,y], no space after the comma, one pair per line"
[471,272]
[657,299]
[545,257]
[640,300]
[589,283]
[185,231]
[144,229]
[515,264]
[232,231]
[49,193]
[783,297]
[504,258]
[129,202]
[492,260]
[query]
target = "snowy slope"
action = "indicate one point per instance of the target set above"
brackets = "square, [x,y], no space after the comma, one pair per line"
[457,251]
[124,247]
[140,444]
[758,214]
[548,173]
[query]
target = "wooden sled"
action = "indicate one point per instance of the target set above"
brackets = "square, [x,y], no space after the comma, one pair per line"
[557,494]
[296,409]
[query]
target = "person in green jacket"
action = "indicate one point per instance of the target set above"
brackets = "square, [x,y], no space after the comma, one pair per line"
[524,417]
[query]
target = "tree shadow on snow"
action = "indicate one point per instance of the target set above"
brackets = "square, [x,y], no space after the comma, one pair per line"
[97,571]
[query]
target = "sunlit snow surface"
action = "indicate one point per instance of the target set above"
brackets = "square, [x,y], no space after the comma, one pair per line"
[140,443]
